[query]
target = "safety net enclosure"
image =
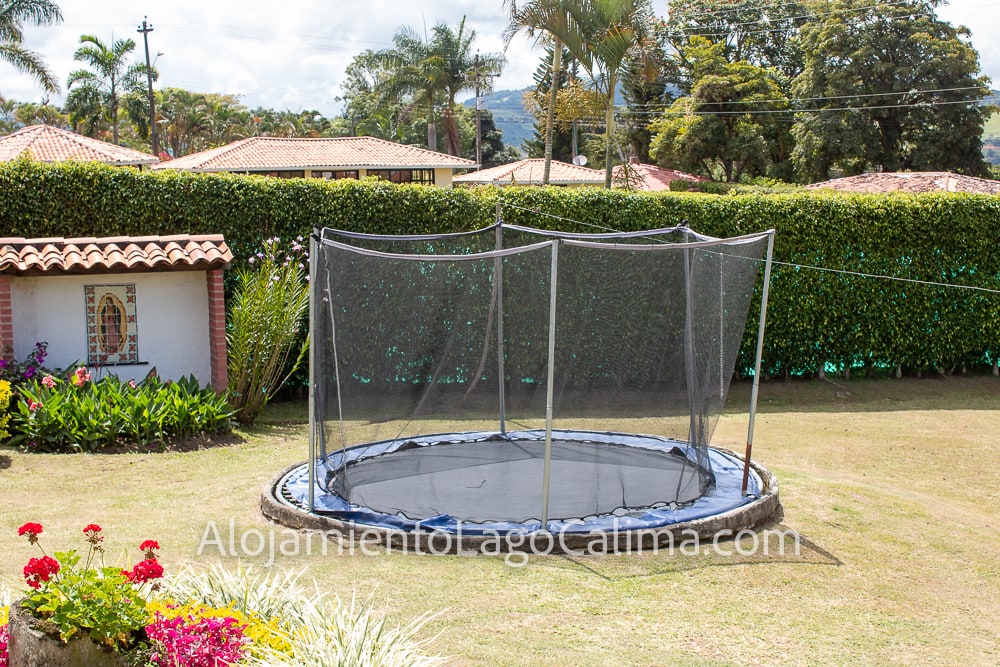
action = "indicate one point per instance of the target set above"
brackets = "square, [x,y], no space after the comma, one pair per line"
[514,378]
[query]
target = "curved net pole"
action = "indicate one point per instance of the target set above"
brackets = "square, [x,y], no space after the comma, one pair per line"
[756,364]
[313,251]
[498,290]
[550,383]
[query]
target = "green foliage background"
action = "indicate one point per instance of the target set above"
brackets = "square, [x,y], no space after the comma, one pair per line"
[814,318]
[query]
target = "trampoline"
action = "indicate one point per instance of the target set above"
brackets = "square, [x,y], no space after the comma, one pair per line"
[494,365]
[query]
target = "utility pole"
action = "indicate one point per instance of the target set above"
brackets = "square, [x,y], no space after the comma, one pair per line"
[479,119]
[145,29]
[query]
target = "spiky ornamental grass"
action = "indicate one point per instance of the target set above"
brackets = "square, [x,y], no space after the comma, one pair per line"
[322,629]
[266,316]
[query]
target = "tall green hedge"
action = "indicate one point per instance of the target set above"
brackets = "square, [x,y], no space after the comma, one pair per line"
[816,319]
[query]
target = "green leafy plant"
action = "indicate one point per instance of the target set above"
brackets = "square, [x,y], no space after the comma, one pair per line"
[76,414]
[106,603]
[266,317]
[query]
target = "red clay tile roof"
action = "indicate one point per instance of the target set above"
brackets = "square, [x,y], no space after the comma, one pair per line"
[916,181]
[51,144]
[120,254]
[529,172]
[649,177]
[277,153]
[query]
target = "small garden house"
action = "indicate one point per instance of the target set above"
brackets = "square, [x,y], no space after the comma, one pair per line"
[121,306]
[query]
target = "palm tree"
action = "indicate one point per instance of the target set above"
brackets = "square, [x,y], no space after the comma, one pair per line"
[615,31]
[13,14]
[556,20]
[460,71]
[414,69]
[97,93]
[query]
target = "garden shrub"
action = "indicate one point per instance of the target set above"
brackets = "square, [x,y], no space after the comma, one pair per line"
[76,414]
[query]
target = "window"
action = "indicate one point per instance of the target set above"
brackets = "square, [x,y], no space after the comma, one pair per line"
[111,325]
[422,176]
[336,175]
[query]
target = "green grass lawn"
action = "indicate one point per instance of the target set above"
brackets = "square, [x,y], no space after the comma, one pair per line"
[893,486]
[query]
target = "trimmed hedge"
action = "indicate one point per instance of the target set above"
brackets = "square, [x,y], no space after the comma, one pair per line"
[816,319]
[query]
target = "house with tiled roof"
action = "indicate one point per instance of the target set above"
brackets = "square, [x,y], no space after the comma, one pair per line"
[121,305]
[529,172]
[649,177]
[914,182]
[327,158]
[45,143]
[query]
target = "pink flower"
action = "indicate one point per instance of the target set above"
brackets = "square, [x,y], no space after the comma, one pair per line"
[48,381]
[34,405]
[80,377]
[131,383]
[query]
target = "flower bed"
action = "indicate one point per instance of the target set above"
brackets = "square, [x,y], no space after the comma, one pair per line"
[96,614]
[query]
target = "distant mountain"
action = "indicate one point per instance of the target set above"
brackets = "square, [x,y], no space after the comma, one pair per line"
[509,115]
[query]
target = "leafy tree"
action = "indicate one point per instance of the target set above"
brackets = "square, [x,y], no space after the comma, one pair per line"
[615,32]
[96,94]
[459,67]
[760,32]
[887,86]
[715,129]
[554,22]
[29,113]
[13,15]
[494,151]
[648,92]
[555,141]
[414,72]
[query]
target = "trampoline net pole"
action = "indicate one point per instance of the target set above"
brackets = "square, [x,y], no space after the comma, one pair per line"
[756,364]
[313,254]
[498,282]
[550,383]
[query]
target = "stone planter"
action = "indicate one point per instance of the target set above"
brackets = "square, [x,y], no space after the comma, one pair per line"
[30,646]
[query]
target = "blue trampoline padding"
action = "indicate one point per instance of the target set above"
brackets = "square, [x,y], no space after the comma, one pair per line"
[722,496]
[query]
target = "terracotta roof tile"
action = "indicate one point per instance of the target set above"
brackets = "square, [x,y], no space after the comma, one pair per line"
[51,144]
[20,256]
[649,177]
[273,153]
[915,182]
[529,172]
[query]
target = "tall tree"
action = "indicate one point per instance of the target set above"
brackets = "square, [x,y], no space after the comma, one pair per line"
[759,32]
[615,31]
[715,130]
[13,15]
[555,23]
[552,133]
[100,89]
[414,70]
[459,72]
[887,86]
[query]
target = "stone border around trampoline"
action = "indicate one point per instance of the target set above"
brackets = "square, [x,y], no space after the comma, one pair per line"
[764,510]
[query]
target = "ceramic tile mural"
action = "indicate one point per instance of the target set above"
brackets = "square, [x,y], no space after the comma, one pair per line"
[111,325]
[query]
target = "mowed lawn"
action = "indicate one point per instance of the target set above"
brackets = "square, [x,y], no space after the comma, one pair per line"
[893,486]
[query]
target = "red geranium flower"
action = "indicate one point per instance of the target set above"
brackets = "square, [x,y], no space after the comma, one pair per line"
[32,530]
[91,528]
[149,547]
[39,570]
[144,570]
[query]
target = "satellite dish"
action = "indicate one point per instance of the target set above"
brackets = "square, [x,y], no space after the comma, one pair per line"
[580,160]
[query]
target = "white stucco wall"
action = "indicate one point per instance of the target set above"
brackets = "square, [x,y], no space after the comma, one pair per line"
[171,321]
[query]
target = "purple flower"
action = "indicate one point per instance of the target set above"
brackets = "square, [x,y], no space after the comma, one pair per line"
[29,372]
[3,363]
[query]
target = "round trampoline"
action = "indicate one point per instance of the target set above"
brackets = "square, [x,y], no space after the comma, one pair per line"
[543,334]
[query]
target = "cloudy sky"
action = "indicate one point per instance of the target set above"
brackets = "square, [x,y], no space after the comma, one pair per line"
[292,54]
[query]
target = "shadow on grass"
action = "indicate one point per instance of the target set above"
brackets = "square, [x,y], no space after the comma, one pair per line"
[682,557]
